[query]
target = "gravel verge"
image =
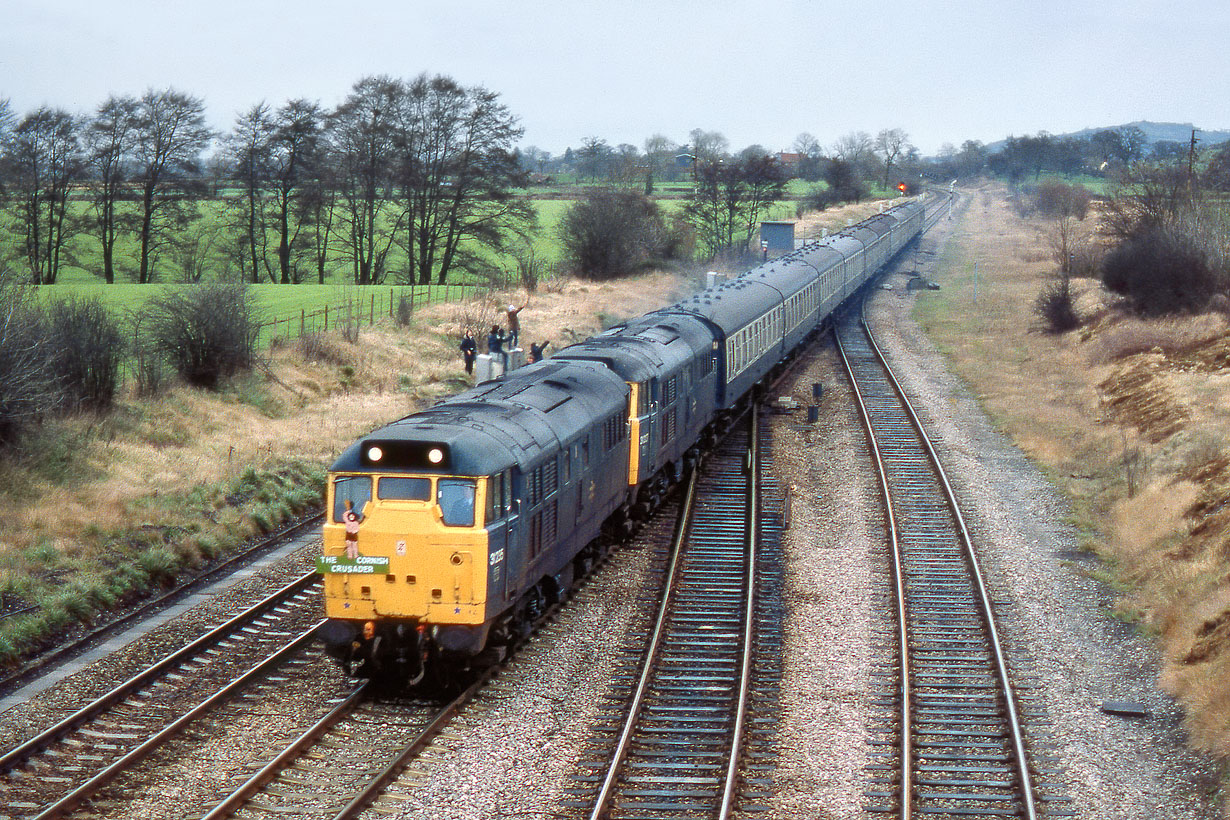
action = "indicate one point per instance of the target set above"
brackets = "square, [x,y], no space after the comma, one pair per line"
[1055,614]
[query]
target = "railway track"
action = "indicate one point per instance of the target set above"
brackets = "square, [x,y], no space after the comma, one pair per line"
[679,732]
[345,762]
[52,773]
[952,740]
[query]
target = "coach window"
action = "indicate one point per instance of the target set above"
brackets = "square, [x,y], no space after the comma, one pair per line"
[357,489]
[456,499]
[398,488]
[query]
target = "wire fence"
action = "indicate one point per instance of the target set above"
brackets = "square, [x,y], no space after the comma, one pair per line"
[364,307]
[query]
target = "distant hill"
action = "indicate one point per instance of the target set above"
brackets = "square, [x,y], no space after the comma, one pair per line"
[1179,132]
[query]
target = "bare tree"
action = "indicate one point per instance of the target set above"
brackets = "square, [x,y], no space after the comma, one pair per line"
[249,148]
[7,119]
[44,160]
[361,137]
[811,156]
[315,211]
[708,146]
[660,152]
[890,144]
[456,173]
[534,159]
[109,143]
[730,198]
[855,148]
[612,233]
[594,158]
[294,155]
[170,134]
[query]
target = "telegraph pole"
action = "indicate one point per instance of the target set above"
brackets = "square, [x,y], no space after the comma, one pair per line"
[1191,165]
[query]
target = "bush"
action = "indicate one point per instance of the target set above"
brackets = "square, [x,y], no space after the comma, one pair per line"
[27,383]
[613,233]
[819,198]
[845,184]
[205,332]
[86,347]
[1055,307]
[1053,197]
[1160,272]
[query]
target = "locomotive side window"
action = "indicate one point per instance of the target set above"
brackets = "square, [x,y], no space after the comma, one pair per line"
[456,499]
[396,488]
[357,489]
[499,495]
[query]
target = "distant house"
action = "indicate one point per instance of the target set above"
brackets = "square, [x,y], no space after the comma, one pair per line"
[790,161]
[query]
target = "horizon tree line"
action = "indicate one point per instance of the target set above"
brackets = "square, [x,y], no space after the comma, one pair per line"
[424,165]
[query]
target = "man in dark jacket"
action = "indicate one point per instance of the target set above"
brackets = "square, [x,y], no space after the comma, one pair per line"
[469,350]
[495,344]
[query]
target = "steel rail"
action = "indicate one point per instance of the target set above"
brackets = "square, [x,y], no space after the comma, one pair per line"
[44,739]
[1006,689]
[906,745]
[109,774]
[651,652]
[749,620]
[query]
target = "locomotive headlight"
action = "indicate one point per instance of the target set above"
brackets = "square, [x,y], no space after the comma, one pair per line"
[374,454]
[435,455]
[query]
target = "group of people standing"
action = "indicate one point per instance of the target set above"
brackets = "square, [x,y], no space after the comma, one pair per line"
[499,342]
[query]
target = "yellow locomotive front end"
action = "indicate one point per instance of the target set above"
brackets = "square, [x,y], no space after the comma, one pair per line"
[408,574]
[419,543]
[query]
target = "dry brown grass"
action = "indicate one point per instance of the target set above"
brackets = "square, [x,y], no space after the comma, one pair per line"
[313,401]
[1132,419]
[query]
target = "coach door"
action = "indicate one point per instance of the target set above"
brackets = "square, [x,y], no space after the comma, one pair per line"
[502,520]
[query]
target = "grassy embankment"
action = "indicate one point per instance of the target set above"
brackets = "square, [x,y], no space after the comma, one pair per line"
[1130,418]
[102,511]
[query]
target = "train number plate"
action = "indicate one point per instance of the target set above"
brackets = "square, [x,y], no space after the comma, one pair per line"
[363,565]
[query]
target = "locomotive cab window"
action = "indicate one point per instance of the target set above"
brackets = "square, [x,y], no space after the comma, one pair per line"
[357,489]
[456,499]
[399,488]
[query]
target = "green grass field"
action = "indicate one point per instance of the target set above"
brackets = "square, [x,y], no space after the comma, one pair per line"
[304,305]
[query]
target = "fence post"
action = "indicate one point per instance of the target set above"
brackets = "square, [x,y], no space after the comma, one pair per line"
[326,318]
[390,303]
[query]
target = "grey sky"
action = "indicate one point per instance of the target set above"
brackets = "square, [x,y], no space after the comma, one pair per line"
[759,72]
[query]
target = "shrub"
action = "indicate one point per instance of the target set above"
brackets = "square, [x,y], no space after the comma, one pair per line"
[1055,307]
[316,347]
[1160,272]
[206,332]
[405,311]
[27,382]
[86,347]
[1052,197]
[845,184]
[613,233]
[818,198]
